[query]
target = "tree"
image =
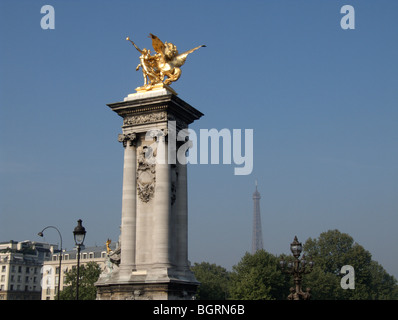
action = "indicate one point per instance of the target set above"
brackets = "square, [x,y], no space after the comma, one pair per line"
[330,252]
[89,274]
[258,277]
[384,286]
[213,280]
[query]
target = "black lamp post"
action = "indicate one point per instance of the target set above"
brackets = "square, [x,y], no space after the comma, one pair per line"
[297,269]
[60,255]
[79,233]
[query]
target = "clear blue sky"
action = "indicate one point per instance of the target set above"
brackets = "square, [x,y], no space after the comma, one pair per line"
[322,101]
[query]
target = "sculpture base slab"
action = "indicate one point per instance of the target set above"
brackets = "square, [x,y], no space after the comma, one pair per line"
[150,90]
[147,291]
[151,284]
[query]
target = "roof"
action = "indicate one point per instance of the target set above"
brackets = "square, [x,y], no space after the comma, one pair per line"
[97,250]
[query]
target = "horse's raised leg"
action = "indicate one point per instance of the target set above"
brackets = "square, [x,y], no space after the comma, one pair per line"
[174,76]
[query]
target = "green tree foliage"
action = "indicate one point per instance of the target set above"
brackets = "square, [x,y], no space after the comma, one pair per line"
[214,281]
[258,277]
[89,274]
[330,252]
[384,286]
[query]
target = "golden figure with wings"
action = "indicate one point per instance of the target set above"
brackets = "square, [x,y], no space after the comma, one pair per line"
[165,63]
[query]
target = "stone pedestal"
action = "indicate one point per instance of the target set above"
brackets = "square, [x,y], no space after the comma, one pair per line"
[154,230]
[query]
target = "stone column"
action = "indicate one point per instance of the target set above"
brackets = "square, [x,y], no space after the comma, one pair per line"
[154,233]
[182,217]
[128,229]
[161,232]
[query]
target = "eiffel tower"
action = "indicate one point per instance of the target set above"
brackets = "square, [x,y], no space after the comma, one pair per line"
[257,241]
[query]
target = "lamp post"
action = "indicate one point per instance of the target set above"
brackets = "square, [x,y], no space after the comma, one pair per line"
[79,233]
[297,269]
[60,255]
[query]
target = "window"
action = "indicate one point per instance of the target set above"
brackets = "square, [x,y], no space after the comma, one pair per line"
[19,269]
[3,269]
[27,269]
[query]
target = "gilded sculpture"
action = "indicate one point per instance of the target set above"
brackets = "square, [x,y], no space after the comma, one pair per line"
[162,67]
[108,248]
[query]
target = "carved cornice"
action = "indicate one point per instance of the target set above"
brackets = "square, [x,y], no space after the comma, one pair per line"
[129,112]
[176,109]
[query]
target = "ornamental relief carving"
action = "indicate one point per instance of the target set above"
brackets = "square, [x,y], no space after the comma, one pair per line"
[125,138]
[145,118]
[146,174]
[173,195]
[173,185]
[179,123]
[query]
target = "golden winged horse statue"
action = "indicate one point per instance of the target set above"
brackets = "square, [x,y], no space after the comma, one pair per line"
[165,63]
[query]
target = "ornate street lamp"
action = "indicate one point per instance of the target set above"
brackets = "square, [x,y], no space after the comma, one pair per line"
[79,233]
[60,255]
[297,269]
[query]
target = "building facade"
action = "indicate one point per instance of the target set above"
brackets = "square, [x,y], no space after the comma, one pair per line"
[20,269]
[29,270]
[51,272]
